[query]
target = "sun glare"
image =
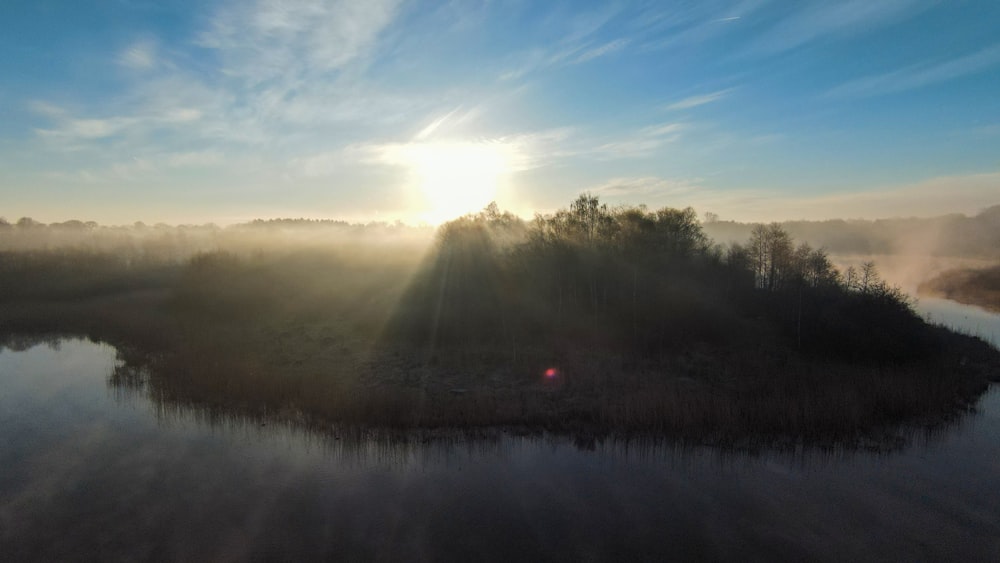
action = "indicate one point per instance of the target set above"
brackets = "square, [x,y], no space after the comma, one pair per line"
[458,178]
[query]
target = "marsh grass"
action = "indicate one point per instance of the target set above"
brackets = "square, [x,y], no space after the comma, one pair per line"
[725,399]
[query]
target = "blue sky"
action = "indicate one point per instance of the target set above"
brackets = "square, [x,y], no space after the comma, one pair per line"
[176,111]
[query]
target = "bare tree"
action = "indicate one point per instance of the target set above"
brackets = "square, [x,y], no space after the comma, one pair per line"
[771,256]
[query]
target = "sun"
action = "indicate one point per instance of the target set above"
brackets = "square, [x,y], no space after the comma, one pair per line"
[457,178]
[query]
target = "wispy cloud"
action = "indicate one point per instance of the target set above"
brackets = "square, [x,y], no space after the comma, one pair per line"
[448,122]
[272,38]
[536,149]
[84,129]
[521,152]
[642,143]
[698,22]
[147,169]
[649,188]
[323,164]
[695,101]
[667,131]
[66,130]
[46,109]
[918,76]
[194,158]
[576,46]
[588,23]
[139,56]
[600,51]
[282,68]
[811,21]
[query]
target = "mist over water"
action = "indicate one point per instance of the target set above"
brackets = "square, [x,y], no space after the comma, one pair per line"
[92,471]
[909,271]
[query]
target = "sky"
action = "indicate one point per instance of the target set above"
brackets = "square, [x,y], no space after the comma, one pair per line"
[191,112]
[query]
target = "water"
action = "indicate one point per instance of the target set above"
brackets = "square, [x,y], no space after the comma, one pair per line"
[963,318]
[91,471]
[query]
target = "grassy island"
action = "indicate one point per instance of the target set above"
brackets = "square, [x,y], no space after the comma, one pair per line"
[591,321]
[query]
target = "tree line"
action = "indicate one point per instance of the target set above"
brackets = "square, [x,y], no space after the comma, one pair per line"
[946,235]
[645,283]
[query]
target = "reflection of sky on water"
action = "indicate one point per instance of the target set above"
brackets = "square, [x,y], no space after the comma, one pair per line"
[90,473]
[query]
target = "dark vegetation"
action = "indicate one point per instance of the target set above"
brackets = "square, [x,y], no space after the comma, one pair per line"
[641,285]
[592,320]
[967,285]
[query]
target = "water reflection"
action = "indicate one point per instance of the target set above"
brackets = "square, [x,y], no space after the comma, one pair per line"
[98,472]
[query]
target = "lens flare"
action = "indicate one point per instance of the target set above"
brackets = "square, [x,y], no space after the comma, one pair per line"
[551,373]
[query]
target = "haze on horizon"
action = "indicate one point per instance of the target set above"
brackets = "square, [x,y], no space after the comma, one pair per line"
[762,110]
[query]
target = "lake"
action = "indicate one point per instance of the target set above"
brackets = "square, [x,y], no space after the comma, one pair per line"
[94,471]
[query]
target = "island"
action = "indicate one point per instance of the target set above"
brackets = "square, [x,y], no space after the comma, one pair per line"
[590,321]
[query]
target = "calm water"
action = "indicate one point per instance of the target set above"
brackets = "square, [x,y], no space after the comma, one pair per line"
[90,471]
[964,318]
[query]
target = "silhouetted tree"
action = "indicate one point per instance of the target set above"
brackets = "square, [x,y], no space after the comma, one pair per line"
[770,250]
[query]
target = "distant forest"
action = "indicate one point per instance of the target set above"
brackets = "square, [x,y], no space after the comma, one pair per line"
[946,235]
[955,235]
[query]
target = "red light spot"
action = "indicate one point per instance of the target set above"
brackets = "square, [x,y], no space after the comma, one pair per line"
[551,372]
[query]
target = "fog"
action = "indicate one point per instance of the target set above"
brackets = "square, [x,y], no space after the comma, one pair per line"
[907,251]
[976,236]
[179,242]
